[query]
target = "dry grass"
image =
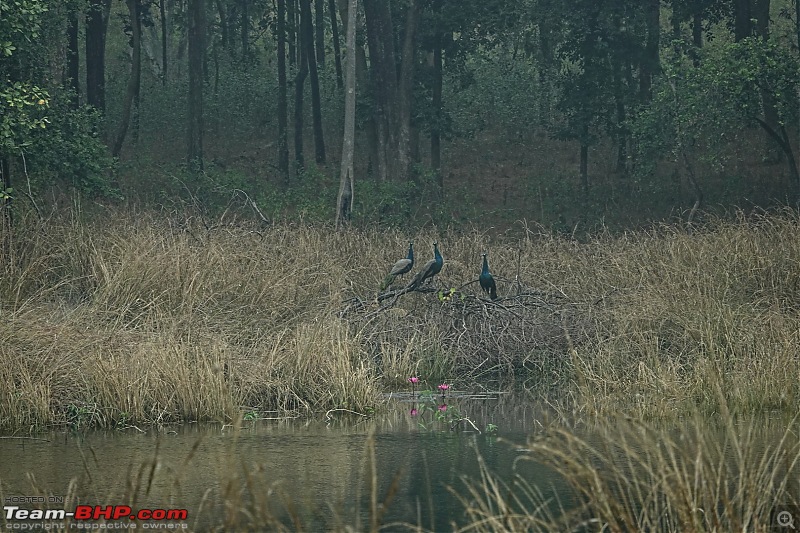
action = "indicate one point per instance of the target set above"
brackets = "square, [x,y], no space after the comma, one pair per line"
[627,475]
[139,318]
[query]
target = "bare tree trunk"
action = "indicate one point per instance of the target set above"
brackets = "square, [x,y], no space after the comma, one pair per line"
[299,83]
[380,89]
[7,221]
[316,106]
[585,167]
[797,21]
[337,59]
[244,28]
[291,30]
[163,14]
[619,104]
[196,53]
[377,163]
[283,140]
[650,62]
[436,138]
[319,27]
[392,90]
[405,93]
[743,26]
[344,203]
[96,19]
[133,81]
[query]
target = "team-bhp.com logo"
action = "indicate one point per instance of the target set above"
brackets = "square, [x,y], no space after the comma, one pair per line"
[87,517]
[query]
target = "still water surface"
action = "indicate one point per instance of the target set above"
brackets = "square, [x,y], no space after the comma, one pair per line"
[317,468]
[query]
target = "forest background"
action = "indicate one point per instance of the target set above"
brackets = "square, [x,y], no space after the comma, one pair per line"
[572,115]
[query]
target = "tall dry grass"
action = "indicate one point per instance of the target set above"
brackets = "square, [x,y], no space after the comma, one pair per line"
[139,317]
[629,475]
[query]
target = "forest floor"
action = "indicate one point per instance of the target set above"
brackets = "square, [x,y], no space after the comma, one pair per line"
[492,181]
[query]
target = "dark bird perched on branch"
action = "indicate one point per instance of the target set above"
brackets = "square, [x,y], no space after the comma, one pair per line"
[401,267]
[487,281]
[429,269]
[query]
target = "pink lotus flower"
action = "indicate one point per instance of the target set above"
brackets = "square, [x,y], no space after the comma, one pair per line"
[443,387]
[413,380]
[414,411]
[443,407]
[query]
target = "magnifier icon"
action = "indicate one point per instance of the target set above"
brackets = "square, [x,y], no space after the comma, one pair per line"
[785,519]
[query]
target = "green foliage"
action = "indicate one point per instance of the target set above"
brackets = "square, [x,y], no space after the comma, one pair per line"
[21,101]
[70,152]
[22,107]
[19,21]
[698,111]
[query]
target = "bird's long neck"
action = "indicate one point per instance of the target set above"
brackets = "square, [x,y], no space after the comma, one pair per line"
[436,255]
[485,266]
[411,252]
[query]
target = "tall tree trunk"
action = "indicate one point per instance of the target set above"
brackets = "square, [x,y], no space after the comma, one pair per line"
[619,104]
[585,167]
[797,21]
[742,24]
[344,202]
[307,30]
[405,92]
[244,28]
[319,27]
[379,84]
[196,79]
[283,140]
[392,90]
[337,59]
[436,136]
[650,62]
[7,221]
[375,144]
[299,83]
[163,14]
[224,33]
[133,81]
[73,59]
[291,30]
[96,18]
[697,36]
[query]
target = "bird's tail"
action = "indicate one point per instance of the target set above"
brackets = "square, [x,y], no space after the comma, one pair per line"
[493,292]
[388,280]
[414,283]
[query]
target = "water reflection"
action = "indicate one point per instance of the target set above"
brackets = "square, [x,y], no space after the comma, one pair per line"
[316,471]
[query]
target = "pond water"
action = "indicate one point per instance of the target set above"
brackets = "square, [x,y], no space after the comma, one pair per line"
[314,471]
[310,475]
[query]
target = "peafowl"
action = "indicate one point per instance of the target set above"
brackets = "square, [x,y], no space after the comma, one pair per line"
[429,269]
[487,281]
[400,267]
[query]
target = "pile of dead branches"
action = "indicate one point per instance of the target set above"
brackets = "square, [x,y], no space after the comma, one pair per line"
[527,329]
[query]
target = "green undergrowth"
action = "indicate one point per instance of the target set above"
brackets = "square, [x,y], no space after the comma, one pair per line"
[130,317]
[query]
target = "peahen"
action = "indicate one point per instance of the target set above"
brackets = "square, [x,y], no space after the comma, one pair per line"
[429,269]
[400,267]
[487,281]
